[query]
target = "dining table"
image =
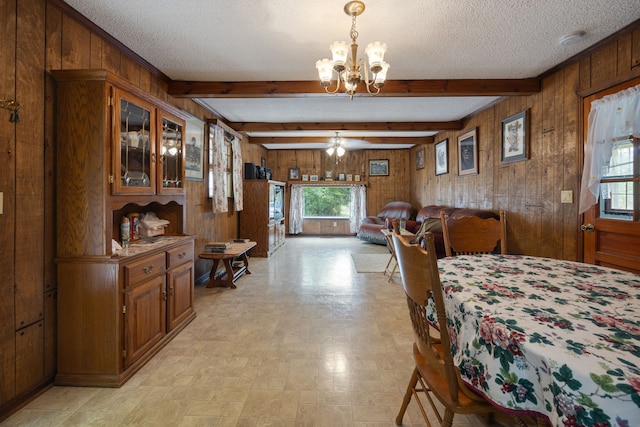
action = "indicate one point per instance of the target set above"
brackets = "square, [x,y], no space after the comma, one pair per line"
[555,339]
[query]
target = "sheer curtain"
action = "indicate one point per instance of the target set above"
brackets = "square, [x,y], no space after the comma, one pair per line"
[611,117]
[237,173]
[296,209]
[358,207]
[219,199]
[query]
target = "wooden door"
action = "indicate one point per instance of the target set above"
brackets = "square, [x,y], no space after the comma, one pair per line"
[611,228]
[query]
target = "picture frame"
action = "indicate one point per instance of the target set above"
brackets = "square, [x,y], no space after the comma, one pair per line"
[328,175]
[305,177]
[379,167]
[356,178]
[441,157]
[342,177]
[420,159]
[313,177]
[349,177]
[515,138]
[194,149]
[468,153]
[294,174]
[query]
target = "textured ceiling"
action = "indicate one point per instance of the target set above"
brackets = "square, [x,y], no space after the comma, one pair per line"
[280,40]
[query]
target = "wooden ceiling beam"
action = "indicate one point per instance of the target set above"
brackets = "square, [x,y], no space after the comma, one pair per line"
[323,140]
[392,88]
[334,127]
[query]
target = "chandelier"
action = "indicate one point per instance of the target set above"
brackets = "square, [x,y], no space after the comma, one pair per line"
[347,68]
[336,146]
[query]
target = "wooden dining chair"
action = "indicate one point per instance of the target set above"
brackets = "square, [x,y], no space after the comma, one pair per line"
[473,235]
[435,373]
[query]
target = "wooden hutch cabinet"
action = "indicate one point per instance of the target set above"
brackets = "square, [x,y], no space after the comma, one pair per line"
[119,151]
[262,218]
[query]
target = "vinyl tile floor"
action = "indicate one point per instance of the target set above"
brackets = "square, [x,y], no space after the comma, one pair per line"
[304,340]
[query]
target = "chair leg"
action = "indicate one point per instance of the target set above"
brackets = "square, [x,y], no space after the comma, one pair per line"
[448,418]
[407,396]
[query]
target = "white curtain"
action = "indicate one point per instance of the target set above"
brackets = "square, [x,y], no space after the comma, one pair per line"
[219,199]
[237,173]
[358,207]
[296,209]
[610,118]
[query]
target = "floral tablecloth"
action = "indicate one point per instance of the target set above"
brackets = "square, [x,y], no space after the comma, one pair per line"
[550,337]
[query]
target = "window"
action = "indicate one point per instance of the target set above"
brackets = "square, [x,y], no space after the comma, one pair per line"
[621,181]
[327,202]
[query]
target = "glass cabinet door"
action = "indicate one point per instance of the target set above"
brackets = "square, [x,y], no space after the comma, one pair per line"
[171,159]
[135,149]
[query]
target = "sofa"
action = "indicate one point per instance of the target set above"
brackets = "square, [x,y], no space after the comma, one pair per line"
[429,219]
[370,229]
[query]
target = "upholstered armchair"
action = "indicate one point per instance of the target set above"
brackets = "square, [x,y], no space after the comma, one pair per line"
[371,227]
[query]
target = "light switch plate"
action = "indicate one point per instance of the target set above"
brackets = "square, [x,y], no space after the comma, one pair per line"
[566,196]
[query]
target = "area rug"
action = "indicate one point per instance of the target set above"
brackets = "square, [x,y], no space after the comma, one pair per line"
[370,263]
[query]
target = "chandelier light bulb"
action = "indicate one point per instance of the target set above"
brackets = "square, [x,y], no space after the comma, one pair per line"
[340,151]
[330,150]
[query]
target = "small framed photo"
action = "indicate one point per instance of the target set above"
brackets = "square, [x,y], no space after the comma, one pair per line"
[357,178]
[420,158]
[328,175]
[313,177]
[194,150]
[379,167]
[515,138]
[442,157]
[468,153]
[294,174]
[349,177]
[342,177]
[305,177]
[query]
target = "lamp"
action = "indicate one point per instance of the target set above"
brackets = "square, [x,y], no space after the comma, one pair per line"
[347,68]
[336,146]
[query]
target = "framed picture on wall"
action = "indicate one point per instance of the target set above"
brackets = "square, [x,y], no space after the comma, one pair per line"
[294,174]
[305,177]
[515,142]
[442,157]
[468,153]
[420,159]
[194,150]
[379,167]
[313,177]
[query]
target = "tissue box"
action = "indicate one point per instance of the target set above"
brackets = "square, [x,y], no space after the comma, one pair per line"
[150,232]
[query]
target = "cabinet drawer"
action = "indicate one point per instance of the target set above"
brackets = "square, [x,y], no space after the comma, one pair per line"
[179,255]
[144,269]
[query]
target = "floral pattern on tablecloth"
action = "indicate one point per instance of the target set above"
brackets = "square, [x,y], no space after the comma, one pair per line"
[545,336]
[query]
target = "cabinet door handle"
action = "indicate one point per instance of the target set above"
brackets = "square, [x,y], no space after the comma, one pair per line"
[171,291]
[182,255]
[164,295]
[148,270]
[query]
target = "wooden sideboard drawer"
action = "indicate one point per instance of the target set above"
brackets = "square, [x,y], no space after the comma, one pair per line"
[179,255]
[144,269]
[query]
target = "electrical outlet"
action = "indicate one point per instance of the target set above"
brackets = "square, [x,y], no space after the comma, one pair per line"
[566,196]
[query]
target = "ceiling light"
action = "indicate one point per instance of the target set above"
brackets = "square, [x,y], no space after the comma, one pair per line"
[572,38]
[347,68]
[336,146]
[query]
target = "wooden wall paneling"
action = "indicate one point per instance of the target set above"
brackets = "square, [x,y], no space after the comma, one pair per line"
[623,54]
[29,357]
[571,163]
[635,49]
[585,73]
[76,44]
[7,219]
[50,334]
[603,64]
[96,52]
[111,57]
[29,153]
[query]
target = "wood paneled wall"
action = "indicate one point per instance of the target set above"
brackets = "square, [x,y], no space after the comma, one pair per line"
[381,189]
[529,191]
